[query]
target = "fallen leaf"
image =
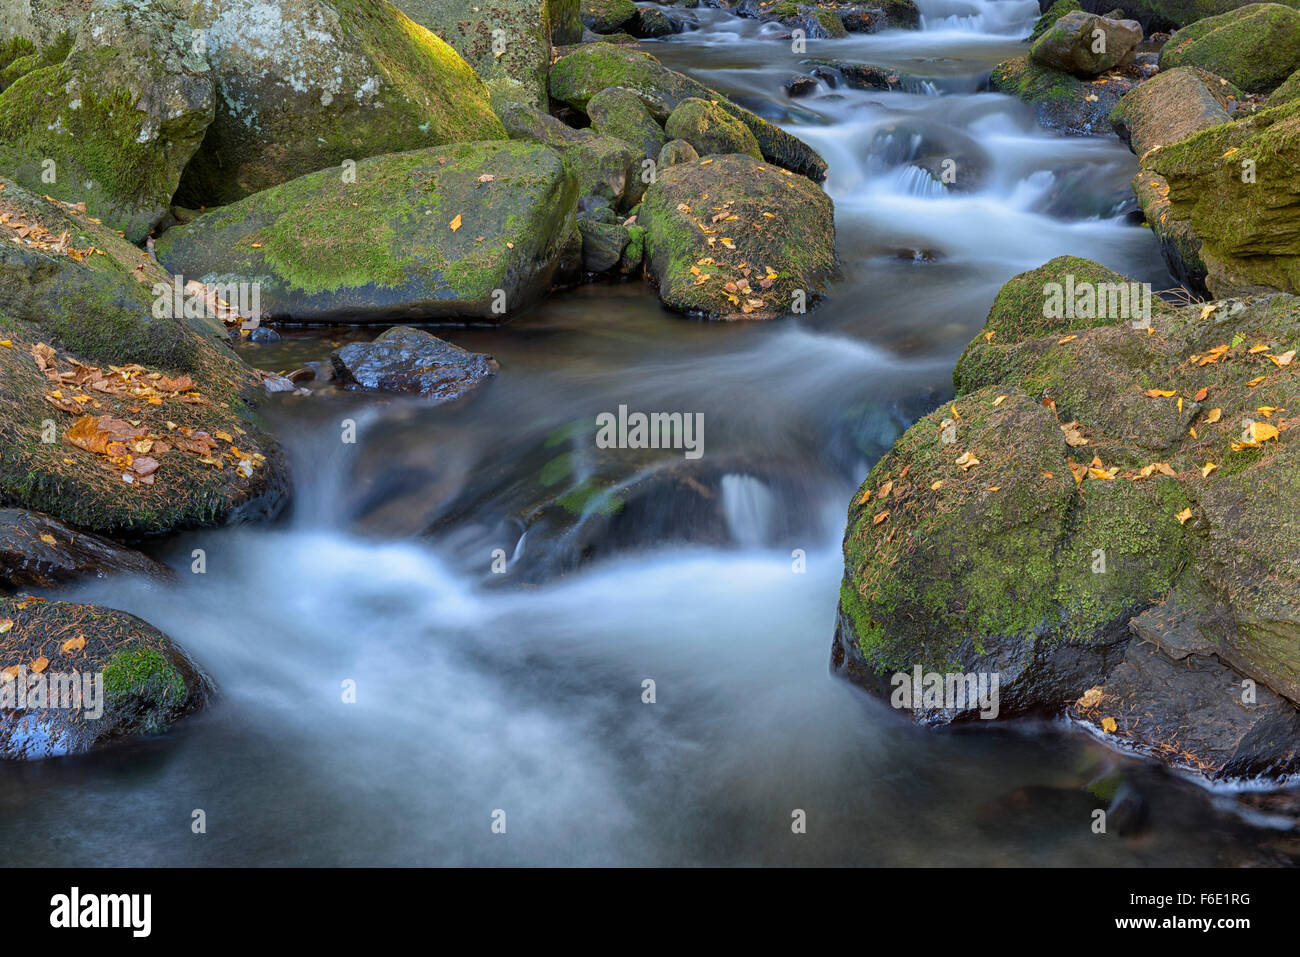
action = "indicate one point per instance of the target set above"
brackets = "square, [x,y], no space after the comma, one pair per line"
[1183,516]
[39,665]
[455,223]
[1213,416]
[1207,468]
[879,517]
[73,644]
[1109,726]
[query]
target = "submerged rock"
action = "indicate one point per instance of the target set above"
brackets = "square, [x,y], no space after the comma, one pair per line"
[114,123]
[37,551]
[470,232]
[305,85]
[729,237]
[98,310]
[1255,47]
[578,77]
[148,681]
[1087,472]
[406,360]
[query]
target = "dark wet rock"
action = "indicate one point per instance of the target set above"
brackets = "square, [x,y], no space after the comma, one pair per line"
[412,362]
[474,231]
[859,76]
[621,113]
[800,85]
[99,310]
[304,85]
[1288,91]
[1064,500]
[148,681]
[264,336]
[1179,244]
[1087,45]
[677,151]
[37,551]
[576,78]
[651,22]
[1170,107]
[1255,47]
[119,117]
[603,244]
[1194,714]
[746,217]
[1062,102]
[710,129]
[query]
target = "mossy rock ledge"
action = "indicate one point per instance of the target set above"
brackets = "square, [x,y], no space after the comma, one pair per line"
[1063,102]
[472,232]
[1255,47]
[148,681]
[92,302]
[1096,479]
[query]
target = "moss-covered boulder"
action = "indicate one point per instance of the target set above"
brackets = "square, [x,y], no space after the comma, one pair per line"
[1255,47]
[1288,91]
[1086,45]
[1169,15]
[507,42]
[308,84]
[710,129]
[621,113]
[677,151]
[1062,102]
[1169,107]
[1234,185]
[1094,474]
[729,237]
[607,16]
[576,78]
[467,232]
[89,327]
[114,123]
[77,678]
[1179,244]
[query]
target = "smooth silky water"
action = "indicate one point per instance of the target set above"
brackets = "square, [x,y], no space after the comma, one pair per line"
[473,698]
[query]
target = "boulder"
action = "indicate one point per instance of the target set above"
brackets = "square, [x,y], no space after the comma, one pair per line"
[114,123]
[1087,45]
[710,129]
[465,232]
[1288,91]
[1179,245]
[677,151]
[1255,47]
[730,237]
[1168,15]
[41,21]
[412,362]
[1062,102]
[620,113]
[606,167]
[75,300]
[608,16]
[576,78]
[305,85]
[1168,107]
[1234,187]
[1090,480]
[148,681]
[37,551]
[507,42]
[1049,17]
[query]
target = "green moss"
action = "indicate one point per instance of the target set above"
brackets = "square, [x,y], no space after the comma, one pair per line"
[1053,13]
[1256,47]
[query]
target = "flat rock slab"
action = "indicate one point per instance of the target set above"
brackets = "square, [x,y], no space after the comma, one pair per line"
[37,551]
[406,360]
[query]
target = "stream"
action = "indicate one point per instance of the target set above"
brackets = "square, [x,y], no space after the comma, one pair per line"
[472,697]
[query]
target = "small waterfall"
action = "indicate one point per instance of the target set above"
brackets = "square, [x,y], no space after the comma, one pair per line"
[748,505]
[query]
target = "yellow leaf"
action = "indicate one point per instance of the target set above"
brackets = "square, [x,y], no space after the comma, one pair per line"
[1214,415]
[1109,726]
[73,644]
[39,665]
[885,490]
[455,223]
[5,625]
[1183,516]
[865,497]
[1091,698]
[1207,468]
[1160,393]
[935,486]
[1255,381]
[879,517]
[6,343]
[1061,342]
[1262,432]
[967,461]
[1257,348]
[999,400]
[1282,360]
[48,539]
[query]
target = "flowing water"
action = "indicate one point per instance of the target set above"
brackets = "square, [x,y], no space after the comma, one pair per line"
[472,698]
